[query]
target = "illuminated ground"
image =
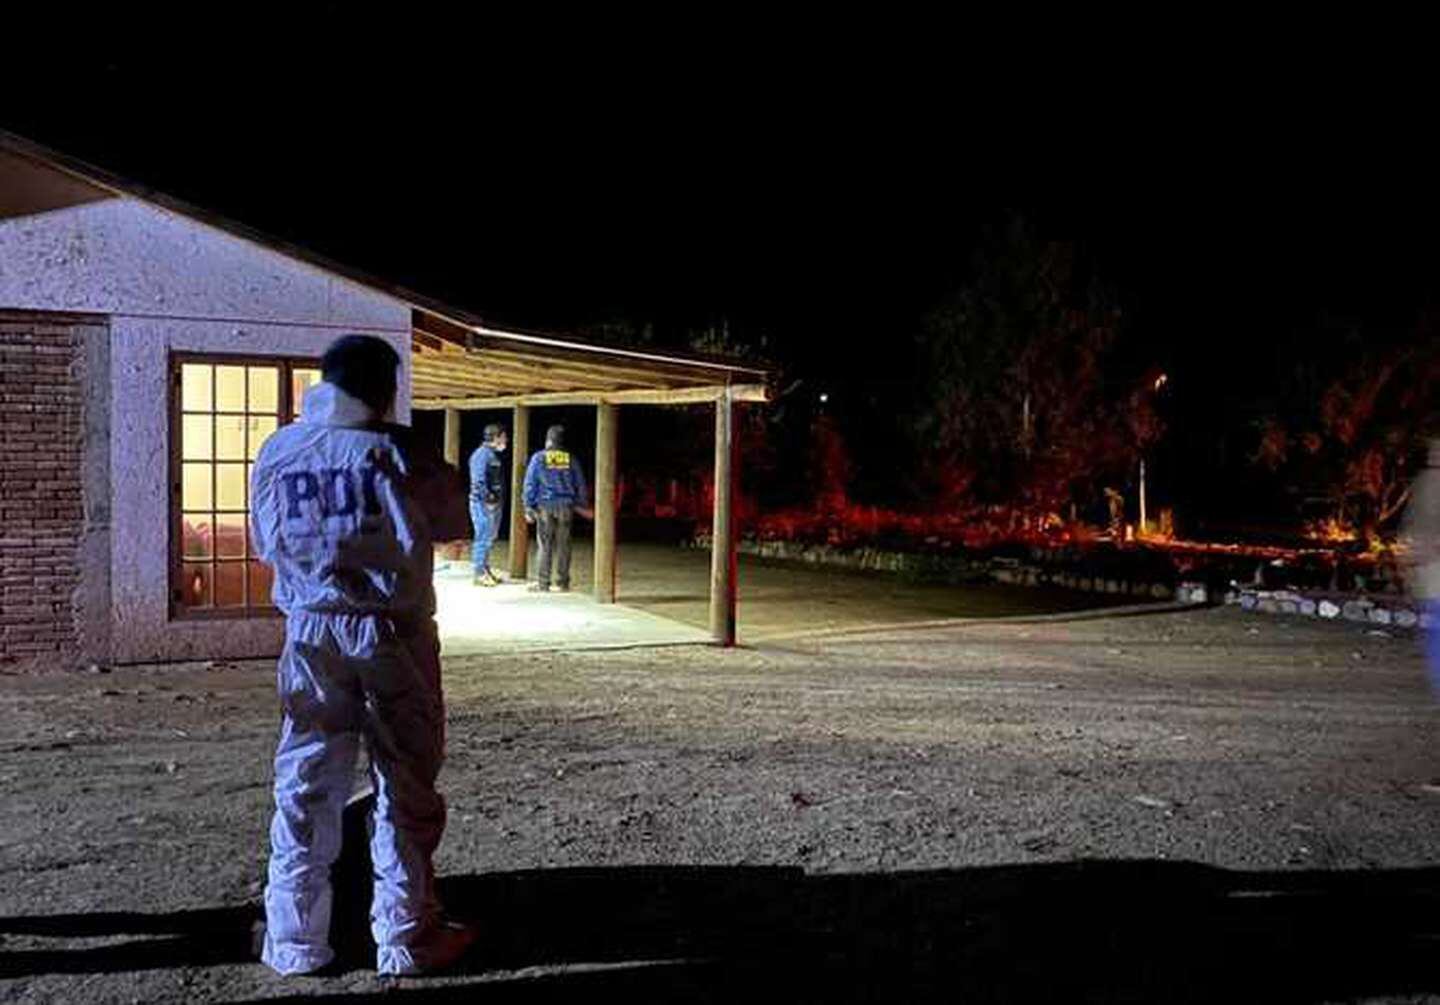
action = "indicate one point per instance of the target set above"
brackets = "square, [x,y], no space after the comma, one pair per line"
[664,599]
[509,618]
[1200,806]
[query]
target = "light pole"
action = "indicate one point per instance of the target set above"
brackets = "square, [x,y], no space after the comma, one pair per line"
[1160,382]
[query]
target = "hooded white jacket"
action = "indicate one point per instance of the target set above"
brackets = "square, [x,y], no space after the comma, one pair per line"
[347,509]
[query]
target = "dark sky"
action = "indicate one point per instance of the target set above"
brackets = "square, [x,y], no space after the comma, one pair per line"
[822,197]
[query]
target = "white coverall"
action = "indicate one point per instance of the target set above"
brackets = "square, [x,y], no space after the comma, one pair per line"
[346,510]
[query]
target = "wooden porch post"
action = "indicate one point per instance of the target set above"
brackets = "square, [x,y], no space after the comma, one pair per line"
[722,546]
[606,420]
[519,457]
[452,436]
[453,551]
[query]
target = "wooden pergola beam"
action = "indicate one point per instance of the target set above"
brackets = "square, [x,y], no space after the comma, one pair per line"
[634,396]
[475,371]
[431,345]
[425,386]
[537,375]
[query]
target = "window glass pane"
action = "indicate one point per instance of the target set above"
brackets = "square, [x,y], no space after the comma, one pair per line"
[261,426]
[300,381]
[195,387]
[229,584]
[230,535]
[230,437]
[230,486]
[264,389]
[262,578]
[195,431]
[195,585]
[195,487]
[228,410]
[229,389]
[195,535]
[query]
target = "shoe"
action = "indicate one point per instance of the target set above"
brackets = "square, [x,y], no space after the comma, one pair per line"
[563,587]
[539,588]
[443,946]
[494,577]
[485,579]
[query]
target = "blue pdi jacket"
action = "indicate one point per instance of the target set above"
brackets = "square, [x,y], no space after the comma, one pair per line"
[554,480]
[487,484]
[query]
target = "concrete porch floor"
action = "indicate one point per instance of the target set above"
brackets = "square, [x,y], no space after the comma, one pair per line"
[664,600]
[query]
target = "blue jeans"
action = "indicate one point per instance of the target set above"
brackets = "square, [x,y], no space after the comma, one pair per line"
[487,524]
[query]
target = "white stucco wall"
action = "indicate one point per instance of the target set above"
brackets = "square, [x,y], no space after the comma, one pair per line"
[172,285]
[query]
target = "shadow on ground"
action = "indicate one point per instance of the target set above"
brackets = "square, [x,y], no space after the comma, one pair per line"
[1089,930]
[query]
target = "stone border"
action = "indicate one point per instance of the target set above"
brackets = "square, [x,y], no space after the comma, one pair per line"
[1397,612]
[1331,606]
[955,568]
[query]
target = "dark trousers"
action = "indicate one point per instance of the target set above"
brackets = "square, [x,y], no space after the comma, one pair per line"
[553,530]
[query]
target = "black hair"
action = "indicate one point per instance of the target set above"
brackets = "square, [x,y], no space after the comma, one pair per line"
[363,366]
[555,436]
[493,432]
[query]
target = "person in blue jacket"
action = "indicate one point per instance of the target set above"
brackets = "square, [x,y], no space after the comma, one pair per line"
[487,500]
[554,490]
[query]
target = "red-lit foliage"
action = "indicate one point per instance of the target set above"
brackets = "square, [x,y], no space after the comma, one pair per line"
[1348,430]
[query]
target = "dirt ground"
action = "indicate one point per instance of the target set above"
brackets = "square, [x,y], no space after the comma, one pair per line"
[1201,806]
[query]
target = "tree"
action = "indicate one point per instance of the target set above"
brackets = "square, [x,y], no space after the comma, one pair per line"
[1030,395]
[1349,423]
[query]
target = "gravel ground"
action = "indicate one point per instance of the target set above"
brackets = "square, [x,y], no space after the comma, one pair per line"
[1195,806]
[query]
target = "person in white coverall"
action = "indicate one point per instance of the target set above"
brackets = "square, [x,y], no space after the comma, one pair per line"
[346,507]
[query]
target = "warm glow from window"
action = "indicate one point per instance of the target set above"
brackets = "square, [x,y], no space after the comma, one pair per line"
[226,411]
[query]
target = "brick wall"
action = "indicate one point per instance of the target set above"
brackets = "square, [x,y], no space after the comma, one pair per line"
[42,511]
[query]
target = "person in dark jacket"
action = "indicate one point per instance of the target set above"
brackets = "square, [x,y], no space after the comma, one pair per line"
[554,490]
[487,500]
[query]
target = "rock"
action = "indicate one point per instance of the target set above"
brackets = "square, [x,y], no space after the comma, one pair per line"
[1328,609]
[1380,615]
[1356,610]
[1248,601]
[1288,606]
[1405,619]
[1306,607]
[1153,802]
[1267,605]
[1160,591]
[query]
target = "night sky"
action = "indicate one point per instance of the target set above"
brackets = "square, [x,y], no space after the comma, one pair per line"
[786,187]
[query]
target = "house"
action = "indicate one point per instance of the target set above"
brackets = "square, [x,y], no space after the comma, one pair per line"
[147,348]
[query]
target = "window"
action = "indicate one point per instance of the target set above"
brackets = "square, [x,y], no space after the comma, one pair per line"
[223,409]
